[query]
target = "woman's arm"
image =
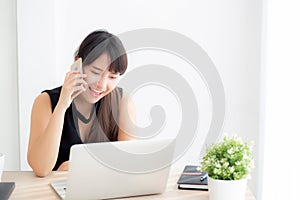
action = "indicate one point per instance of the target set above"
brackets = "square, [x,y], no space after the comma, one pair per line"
[46,127]
[45,134]
[127,119]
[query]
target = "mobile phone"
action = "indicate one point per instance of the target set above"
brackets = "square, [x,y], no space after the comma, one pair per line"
[77,65]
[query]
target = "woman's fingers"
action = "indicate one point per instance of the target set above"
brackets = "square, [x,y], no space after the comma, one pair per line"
[75,80]
[73,77]
[77,90]
[80,82]
[74,85]
[78,86]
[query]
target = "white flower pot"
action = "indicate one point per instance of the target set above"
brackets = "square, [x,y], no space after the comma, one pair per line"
[227,189]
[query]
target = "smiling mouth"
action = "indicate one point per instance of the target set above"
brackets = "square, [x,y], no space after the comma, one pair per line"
[94,93]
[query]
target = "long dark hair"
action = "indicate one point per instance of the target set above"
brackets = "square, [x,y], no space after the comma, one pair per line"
[94,45]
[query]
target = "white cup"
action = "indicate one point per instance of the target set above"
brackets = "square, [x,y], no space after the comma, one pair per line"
[1,164]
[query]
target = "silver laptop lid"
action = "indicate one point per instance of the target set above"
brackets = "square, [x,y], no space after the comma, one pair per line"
[119,169]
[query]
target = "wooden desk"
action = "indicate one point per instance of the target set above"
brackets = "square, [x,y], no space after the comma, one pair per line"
[28,186]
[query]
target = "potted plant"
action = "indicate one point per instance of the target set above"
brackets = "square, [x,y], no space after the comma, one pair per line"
[228,165]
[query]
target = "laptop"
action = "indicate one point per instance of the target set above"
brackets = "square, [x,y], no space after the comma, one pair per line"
[117,169]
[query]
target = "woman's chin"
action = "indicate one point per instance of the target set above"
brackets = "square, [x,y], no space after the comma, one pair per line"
[92,97]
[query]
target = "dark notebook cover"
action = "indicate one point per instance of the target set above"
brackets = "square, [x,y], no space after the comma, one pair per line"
[191,179]
[6,189]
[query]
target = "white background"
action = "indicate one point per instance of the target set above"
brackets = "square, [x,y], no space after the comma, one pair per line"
[9,134]
[281,47]
[48,33]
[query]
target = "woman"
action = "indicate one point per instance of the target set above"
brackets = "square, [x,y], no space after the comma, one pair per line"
[88,107]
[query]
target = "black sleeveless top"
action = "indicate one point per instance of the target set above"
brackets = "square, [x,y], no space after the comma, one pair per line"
[70,135]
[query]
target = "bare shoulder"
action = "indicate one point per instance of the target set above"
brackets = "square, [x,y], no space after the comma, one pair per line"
[127,118]
[126,100]
[42,103]
[43,97]
[127,107]
[40,115]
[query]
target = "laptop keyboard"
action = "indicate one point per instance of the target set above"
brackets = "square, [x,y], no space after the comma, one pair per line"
[60,188]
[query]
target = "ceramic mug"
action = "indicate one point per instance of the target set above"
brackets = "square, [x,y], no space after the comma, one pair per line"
[1,164]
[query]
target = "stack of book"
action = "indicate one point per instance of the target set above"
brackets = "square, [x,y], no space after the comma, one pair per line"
[192,178]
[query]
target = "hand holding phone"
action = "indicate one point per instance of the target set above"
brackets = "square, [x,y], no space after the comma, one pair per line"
[77,65]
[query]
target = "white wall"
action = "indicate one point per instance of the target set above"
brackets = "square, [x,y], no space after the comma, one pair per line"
[9,136]
[37,60]
[229,31]
[282,108]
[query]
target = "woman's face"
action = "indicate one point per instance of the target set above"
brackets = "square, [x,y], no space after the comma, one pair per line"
[100,81]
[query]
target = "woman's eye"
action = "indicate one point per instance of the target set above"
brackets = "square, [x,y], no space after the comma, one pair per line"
[113,77]
[96,73]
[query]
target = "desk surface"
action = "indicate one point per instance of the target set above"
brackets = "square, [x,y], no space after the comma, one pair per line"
[28,186]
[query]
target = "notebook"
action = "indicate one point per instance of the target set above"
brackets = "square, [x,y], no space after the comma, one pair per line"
[192,178]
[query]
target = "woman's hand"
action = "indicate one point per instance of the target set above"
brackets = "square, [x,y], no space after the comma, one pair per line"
[64,166]
[74,84]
